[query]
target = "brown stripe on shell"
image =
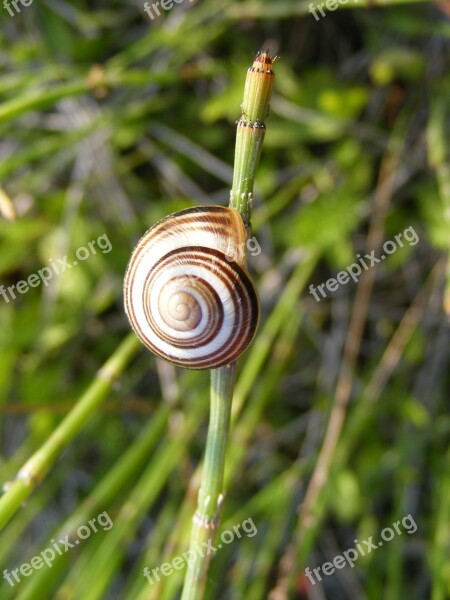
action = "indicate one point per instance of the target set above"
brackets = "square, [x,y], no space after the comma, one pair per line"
[219,221]
[238,340]
[187,255]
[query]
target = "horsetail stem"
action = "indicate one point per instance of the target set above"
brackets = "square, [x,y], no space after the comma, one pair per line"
[38,465]
[250,132]
[249,140]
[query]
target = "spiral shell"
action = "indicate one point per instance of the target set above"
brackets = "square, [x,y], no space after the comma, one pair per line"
[187,293]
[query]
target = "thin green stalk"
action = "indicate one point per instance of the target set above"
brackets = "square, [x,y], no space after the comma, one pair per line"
[250,133]
[90,578]
[438,157]
[116,480]
[37,467]
[252,373]
[38,99]
[211,494]
[249,140]
[441,534]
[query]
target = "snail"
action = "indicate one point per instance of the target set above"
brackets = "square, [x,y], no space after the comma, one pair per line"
[187,293]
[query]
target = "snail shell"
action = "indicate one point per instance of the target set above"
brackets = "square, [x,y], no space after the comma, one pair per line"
[187,293]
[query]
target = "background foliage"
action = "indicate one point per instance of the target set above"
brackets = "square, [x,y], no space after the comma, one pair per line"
[110,121]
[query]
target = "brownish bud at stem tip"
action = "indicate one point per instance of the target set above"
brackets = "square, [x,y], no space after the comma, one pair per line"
[258,88]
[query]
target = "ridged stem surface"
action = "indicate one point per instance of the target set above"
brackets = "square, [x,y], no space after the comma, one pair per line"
[249,140]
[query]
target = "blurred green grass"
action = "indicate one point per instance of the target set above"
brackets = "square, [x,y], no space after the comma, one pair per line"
[108,122]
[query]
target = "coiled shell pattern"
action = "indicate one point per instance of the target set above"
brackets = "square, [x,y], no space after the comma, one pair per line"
[187,293]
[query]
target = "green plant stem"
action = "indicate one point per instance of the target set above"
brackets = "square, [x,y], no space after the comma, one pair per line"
[249,141]
[36,468]
[438,157]
[211,492]
[39,99]
[96,568]
[116,480]
[252,376]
